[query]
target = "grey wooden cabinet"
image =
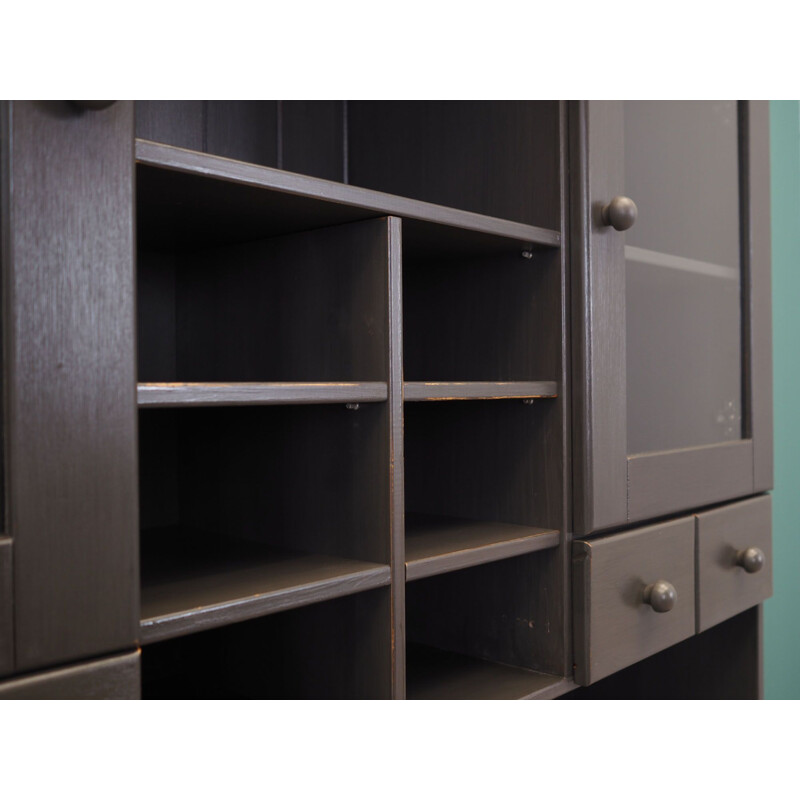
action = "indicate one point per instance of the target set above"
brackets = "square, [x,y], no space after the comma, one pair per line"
[673,362]
[318,399]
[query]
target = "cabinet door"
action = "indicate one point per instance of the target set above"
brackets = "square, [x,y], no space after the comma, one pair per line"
[673,360]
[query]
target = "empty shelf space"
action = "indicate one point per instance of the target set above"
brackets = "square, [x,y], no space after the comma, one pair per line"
[435,544]
[166,395]
[191,594]
[434,674]
[414,391]
[186,196]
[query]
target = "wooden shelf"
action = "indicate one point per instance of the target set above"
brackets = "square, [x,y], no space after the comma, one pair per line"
[418,391]
[168,395]
[435,544]
[434,674]
[187,197]
[191,594]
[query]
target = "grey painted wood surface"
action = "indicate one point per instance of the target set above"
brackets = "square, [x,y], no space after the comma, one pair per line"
[395,456]
[599,421]
[6,607]
[364,202]
[417,390]
[435,545]
[758,260]
[166,395]
[613,627]
[192,596]
[71,402]
[678,480]
[724,588]
[114,678]
[439,675]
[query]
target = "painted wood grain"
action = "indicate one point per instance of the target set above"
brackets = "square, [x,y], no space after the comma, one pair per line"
[114,678]
[435,545]
[613,625]
[70,366]
[724,588]
[167,395]
[6,607]
[680,480]
[420,391]
[210,593]
[365,201]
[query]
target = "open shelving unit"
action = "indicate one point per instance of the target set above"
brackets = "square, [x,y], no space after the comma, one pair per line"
[307,510]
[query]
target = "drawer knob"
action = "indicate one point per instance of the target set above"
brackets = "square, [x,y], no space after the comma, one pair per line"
[661,595]
[620,213]
[751,559]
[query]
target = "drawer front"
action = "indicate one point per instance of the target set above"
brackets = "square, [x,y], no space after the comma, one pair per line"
[615,626]
[725,587]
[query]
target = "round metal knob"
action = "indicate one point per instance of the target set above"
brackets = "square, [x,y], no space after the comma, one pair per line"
[620,213]
[93,105]
[661,595]
[751,559]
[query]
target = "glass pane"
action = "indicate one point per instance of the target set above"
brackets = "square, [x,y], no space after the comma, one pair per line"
[683,275]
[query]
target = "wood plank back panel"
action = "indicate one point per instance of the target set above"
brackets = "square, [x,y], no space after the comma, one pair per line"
[246,130]
[115,678]
[499,158]
[508,611]
[339,649]
[305,307]
[72,494]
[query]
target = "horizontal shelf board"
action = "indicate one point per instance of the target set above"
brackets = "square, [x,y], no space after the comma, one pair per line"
[418,391]
[435,545]
[433,674]
[186,197]
[167,395]
[184,596]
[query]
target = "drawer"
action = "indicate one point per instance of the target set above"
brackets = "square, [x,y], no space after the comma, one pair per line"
[615,626]
[727,581]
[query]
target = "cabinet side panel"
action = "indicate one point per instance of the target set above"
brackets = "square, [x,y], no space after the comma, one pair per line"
[71,415]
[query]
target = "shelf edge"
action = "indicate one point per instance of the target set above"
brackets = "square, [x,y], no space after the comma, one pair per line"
[181,623]
[154,154]
[174,395]
[420,391]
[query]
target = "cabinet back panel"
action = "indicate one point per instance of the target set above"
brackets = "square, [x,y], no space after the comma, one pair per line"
[490,319]
[496,460]
[494,158]
[339,649]
[312,478]
[510,611]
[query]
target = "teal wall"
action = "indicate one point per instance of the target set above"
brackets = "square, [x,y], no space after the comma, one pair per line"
[782,612]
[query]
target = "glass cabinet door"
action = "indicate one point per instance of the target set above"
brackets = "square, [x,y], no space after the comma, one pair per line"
[683,274]
[672,370]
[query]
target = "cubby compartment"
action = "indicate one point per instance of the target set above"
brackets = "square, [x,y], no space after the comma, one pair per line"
[494,631]
[499,159]
[482,314]
[302,308]
[336,649]
[247,511]
[482,482]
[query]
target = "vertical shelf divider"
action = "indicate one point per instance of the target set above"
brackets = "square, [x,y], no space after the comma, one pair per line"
[397,489]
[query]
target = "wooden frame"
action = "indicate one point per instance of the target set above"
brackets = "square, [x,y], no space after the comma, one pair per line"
[613,488]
